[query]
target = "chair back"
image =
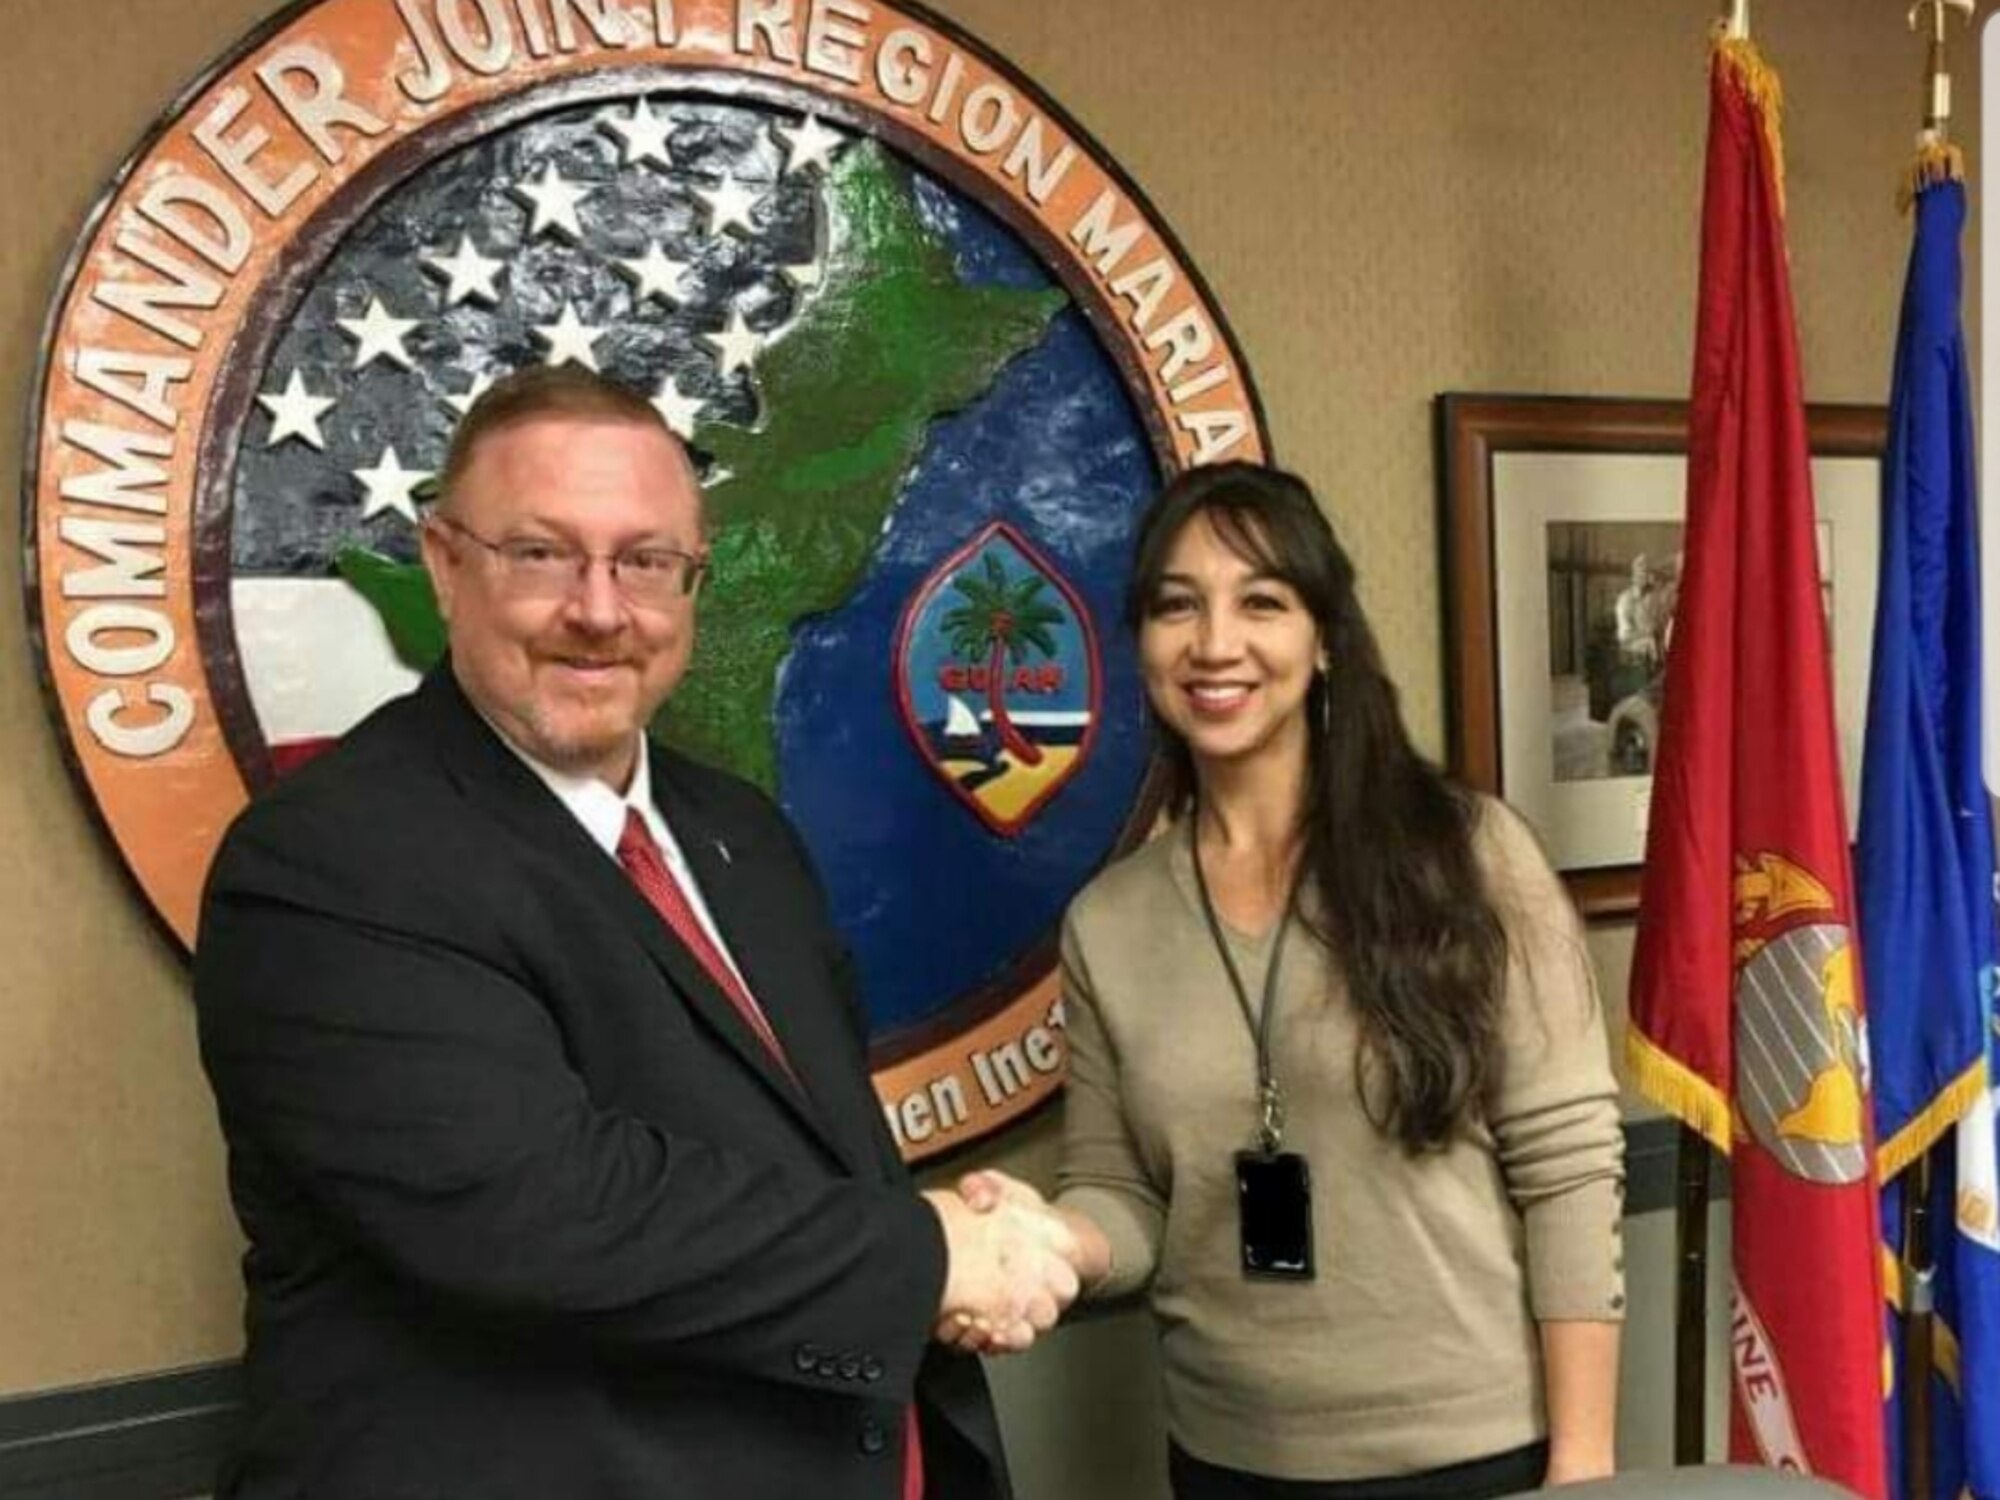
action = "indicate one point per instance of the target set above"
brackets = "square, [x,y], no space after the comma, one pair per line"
[1707,1482]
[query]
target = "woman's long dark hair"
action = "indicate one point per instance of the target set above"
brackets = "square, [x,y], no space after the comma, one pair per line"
[1386,842]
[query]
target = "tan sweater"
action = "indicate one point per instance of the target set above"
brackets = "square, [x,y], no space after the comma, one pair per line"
[1416,1345]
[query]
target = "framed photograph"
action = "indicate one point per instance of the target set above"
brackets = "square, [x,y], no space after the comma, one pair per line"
[1561,531]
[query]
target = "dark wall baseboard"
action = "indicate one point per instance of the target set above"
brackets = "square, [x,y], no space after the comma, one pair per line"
[1652,1164]
[155,1437]
[161,1437]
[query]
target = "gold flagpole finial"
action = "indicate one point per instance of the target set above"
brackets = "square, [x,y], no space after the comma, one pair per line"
[1937,77]
[1736,21]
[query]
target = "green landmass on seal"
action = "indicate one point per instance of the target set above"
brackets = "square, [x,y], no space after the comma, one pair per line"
[890,341]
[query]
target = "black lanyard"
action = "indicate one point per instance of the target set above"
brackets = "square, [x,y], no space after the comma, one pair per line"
[1270,1098]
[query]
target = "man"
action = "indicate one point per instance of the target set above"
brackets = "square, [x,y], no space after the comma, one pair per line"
[1638,616]
[544,1087]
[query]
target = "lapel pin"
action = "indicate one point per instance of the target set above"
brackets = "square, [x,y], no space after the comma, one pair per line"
[723,849]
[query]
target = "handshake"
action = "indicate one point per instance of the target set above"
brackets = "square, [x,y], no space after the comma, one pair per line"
[1014,1263]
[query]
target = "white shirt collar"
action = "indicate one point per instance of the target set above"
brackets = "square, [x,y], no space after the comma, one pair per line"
[596,806]
[602,812]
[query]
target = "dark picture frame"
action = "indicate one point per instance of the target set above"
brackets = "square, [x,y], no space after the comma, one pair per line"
[1515,471]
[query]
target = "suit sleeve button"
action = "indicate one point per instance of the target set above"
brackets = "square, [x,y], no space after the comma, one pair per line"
[804,1357]
[871,1368]
[850,1367]
[827,1368]
[873,1439]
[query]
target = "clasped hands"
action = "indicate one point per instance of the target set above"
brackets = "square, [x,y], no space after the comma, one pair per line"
[1014,1264]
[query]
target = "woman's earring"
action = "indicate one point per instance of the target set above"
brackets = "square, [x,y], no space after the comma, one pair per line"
[1325,698]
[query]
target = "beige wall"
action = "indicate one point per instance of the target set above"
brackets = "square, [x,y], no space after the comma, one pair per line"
[1389,201]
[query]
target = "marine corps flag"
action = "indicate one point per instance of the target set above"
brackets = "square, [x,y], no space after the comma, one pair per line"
[1746,987]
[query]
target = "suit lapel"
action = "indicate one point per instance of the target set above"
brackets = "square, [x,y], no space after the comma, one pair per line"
[733,877]
[496,781]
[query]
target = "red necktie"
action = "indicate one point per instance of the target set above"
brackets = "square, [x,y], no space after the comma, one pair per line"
[643,862]
[913,1457]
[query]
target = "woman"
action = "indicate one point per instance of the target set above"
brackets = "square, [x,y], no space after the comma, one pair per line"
[1381,1245]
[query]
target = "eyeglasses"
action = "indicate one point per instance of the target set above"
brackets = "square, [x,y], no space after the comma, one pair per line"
[535,567]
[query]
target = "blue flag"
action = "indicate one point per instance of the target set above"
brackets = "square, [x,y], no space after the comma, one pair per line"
[1925,854]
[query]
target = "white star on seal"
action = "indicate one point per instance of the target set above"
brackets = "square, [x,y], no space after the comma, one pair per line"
[569,338]
[643,134]
[680,410]
[554,198]
[655,274]
[463,404]
[808,144]
[468,273]
[389,485]
[728,205]
[736,345]
[376,336]
[295,412]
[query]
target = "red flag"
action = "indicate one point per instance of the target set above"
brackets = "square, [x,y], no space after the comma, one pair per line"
[1746,985]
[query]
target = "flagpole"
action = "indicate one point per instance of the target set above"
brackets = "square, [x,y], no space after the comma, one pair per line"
[1937,77]
[1692,1182]
[1691,1301]
[1744,951]
[1919,1335]
[1936,160]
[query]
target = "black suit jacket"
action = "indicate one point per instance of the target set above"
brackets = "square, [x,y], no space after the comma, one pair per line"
[531,1212]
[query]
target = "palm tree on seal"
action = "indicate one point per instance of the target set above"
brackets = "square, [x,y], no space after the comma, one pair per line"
[1002,622]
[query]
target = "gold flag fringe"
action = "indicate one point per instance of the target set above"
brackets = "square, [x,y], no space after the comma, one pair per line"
[1893,1291]
[1937,161]
[1897,1296]
[1945,1353]
[1739,57]
[1917,1136]
[1678,1089]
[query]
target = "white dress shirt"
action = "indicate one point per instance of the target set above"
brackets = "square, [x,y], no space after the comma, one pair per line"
[602,811]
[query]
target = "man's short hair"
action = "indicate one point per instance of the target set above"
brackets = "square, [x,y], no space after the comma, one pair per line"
[565,390]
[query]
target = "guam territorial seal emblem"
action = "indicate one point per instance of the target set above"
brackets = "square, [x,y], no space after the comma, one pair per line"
[935,348]
[996,625]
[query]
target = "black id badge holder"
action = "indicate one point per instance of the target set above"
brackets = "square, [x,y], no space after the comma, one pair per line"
[1274,1214]
[1273,1186]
